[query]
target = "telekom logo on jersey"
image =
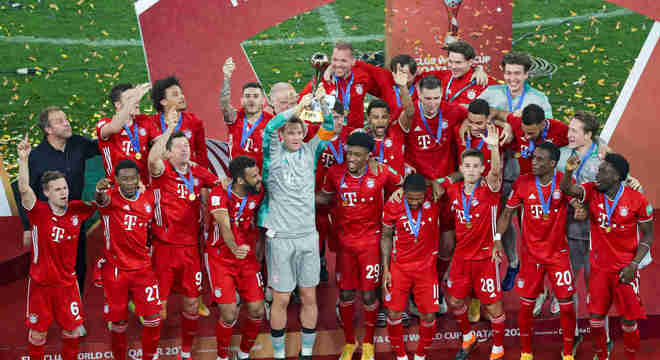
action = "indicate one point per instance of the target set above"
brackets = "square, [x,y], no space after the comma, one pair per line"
[424,141]
[350,198]
[57,233]
[130,221]
[536,211]
[126,147]
[181,190]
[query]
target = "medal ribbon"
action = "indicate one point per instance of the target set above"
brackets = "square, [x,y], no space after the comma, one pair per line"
[341,182]
[381,152]
[188,181]
[163,127]
[411,91]
[247,131]
[416,225]
[530,150]
[243,202]
[610,208]
[345,95]
[468,204]
[468,142]
[459,92]
[133,136]
[438,136]
[584,159]
[520,101]
[339,155]
[545,204]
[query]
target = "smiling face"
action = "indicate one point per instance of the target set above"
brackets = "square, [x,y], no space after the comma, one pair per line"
[515,77]
[180,150]
[542,163]
[378,119]
[458,65]
[283,98]
[607,177]
[415,199]
[356,158]
[174,98]
[128,180]
[477,123]
[341,62]
[576,135]
[531,132]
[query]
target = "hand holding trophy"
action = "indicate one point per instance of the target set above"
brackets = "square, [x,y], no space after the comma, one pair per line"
[313,114]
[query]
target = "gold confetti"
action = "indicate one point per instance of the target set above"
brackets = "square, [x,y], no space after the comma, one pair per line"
[573,13]
[54,6]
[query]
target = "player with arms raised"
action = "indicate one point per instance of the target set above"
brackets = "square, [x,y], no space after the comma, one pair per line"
[53,292]
[474,266]
[621,221]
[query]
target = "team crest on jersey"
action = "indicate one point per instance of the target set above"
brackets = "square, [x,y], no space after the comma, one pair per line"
[370,183]
[445,124]
[106,309]
[521,283]
[388,142]
[556,195]
[623,211]
[218,292]
[449,283]
[33,318]
[196,181]
[123,133]
[475,202]
[147,208]
[143,132]
[252,205]
[471,94]
[358,89]
[74,220]
[188,133]
[427,205]
[215,200]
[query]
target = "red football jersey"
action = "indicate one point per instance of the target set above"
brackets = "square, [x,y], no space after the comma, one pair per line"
[358,84]
[431,157]
[178,214]
[555,132]
[475,241]
[475,142]
[194,130]
[615,250]
[457,90]
[126,227]
[55,242]
[118,146]
[243,227]
[408,252]
[391,149]
[386,89]
[359,204]
[251,145]
[544,240]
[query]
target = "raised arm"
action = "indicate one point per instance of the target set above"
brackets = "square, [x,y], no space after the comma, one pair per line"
[567,185]
[28,198]
[130,99]
[157,152]
[385,255]
[494,177]
[401,81]
[101,196]
[228,111]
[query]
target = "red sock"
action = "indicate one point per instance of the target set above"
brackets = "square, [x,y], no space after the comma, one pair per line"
[567,323]
[395,332]
[599,337]
[631,341]
[189,325]
[370,317]
[462,319]
[150,338]
[70,348]
[497,323]
[249,332]
[223,334]
[36,352]
[119,344]
[526,324]
[347,311]
[426,332]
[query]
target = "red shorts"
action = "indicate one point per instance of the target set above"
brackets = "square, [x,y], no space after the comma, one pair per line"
[325,227]
[138,285]
[48,303]
[529,283]
[479,277]
[226,278]
[605,288]
[358,269]
[423,282]
[178,267]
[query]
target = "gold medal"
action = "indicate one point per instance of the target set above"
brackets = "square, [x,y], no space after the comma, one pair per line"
[468,225]
[191,197]
[608,229]
[138,156]
[517,155]
[546,217]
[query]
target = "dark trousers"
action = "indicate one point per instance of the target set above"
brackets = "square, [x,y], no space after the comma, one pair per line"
[81,258]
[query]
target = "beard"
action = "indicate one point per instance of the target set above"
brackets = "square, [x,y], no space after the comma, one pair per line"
[252,189]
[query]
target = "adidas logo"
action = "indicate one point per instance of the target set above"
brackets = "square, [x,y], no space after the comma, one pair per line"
[127,208]
[417,128]
[532,197]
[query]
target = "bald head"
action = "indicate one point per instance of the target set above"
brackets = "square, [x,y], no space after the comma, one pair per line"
[282,96]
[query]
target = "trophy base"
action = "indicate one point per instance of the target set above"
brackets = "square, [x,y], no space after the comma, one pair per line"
[311,116]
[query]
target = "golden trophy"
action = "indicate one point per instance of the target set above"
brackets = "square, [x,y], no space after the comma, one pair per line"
[452,11]
[319,62]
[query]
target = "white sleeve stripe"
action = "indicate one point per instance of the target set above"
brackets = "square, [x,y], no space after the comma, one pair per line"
[106,231]
[108,159]
[157,212]
[35,243]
